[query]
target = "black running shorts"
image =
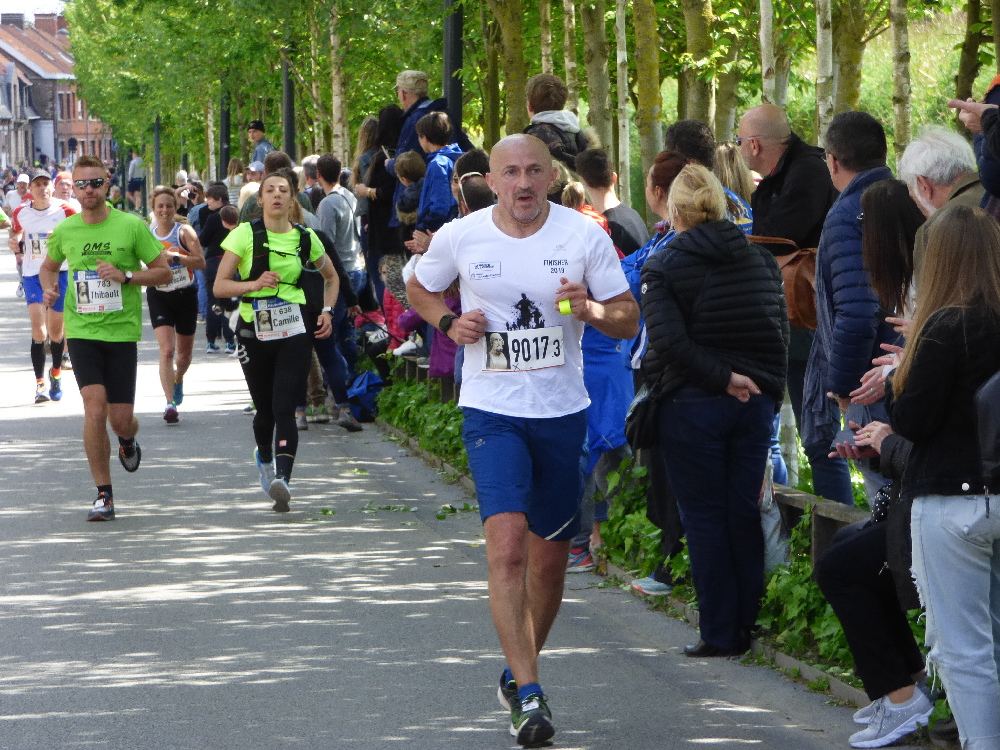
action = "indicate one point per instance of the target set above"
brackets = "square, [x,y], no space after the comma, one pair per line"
[109,363]
[177,309]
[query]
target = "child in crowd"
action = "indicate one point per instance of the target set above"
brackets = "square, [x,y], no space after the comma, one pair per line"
[437,202]
[410,169]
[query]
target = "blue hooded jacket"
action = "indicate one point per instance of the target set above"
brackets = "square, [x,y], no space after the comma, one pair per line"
[436,198]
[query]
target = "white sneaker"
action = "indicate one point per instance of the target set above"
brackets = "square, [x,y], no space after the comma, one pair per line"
[890,721]
[864,715]
[407,347]
[280,494]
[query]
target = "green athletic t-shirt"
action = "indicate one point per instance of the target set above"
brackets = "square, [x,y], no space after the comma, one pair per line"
[122,239]
[284,261]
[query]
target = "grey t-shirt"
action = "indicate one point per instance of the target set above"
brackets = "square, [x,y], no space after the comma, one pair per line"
[337,217]
[628,230]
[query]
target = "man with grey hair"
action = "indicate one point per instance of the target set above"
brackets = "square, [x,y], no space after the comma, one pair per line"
[411,90]
[312,190]
[939,167]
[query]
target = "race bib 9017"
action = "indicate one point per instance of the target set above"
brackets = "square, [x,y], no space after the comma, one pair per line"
[524,350]
[94,294]
[275,318]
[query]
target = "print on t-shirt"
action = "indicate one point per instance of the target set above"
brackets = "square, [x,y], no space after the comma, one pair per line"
[526,315]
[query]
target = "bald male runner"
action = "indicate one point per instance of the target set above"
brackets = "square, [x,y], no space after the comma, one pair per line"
[525,423]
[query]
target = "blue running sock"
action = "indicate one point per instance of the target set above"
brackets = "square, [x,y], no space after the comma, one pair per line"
[532,688]
[507,675]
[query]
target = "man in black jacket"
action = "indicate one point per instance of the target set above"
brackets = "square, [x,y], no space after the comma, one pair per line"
[792,201]
[795,191]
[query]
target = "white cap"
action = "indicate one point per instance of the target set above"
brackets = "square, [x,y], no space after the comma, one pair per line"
[23,178]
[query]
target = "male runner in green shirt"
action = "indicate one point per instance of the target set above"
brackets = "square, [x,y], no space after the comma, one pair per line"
[103,316]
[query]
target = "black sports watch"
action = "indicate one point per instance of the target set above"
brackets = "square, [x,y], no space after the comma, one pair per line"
[445,323]
[128,277]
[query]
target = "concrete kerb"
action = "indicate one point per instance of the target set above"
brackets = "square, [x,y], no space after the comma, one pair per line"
[838,689]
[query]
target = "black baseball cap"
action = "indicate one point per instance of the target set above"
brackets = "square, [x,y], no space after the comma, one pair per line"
[256,125]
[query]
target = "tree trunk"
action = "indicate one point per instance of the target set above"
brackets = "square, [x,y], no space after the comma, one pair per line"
[209,141]
[995,16]
[545,31]
[768,66]
[649,111]
[900,76]
[491,81]
[727,93]
[317,140]
[824,68]
[782,71]
[569,54]
[510,15]
[341,143]
[595,59]
[968,61]
[850,26]
[697,22]
[621,82]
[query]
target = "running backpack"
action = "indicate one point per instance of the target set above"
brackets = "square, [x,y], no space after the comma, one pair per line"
[310,279]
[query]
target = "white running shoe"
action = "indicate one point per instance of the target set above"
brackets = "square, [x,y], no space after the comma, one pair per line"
[891,721]
[280,494]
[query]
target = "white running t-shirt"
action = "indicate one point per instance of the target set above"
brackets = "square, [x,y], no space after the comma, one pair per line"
[534,367]
[36,226]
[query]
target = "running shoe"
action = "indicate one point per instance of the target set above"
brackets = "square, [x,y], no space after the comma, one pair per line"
[891,721]
[55,386]
[300,420]
[347,420]
[507,692]
[864,715]
[40,395]
[580,561]
[651,587]
[531,721]
[213,348]
[249,408]
[266,471]
[231,349]
[103,510]
[170,414]
[67,364]
[280,494]
[130,460]
[178,394]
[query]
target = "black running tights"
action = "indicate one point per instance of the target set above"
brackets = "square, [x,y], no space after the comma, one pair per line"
[275,372]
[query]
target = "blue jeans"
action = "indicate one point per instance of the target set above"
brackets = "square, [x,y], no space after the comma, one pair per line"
[715,449]
[956,561]
[831,476]
[343,361]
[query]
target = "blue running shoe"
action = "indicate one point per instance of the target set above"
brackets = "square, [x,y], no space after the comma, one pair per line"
[55,386]
[178,394]
[265,470]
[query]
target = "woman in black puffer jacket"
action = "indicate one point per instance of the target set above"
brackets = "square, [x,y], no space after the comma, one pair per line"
[718,349]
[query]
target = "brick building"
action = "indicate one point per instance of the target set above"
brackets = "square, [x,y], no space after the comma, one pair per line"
[40,113]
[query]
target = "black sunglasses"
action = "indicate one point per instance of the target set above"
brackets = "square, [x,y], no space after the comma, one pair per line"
[97,182]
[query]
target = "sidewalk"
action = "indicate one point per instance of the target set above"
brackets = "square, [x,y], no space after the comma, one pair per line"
[201,620]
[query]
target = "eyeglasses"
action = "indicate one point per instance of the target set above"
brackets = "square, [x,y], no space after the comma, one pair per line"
[741,138]
[97,182]
[461,181]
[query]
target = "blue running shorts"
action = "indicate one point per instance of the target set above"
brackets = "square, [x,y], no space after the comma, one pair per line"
[530,466]
[33,291]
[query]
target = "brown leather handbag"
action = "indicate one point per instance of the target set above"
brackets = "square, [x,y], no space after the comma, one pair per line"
[798,274]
